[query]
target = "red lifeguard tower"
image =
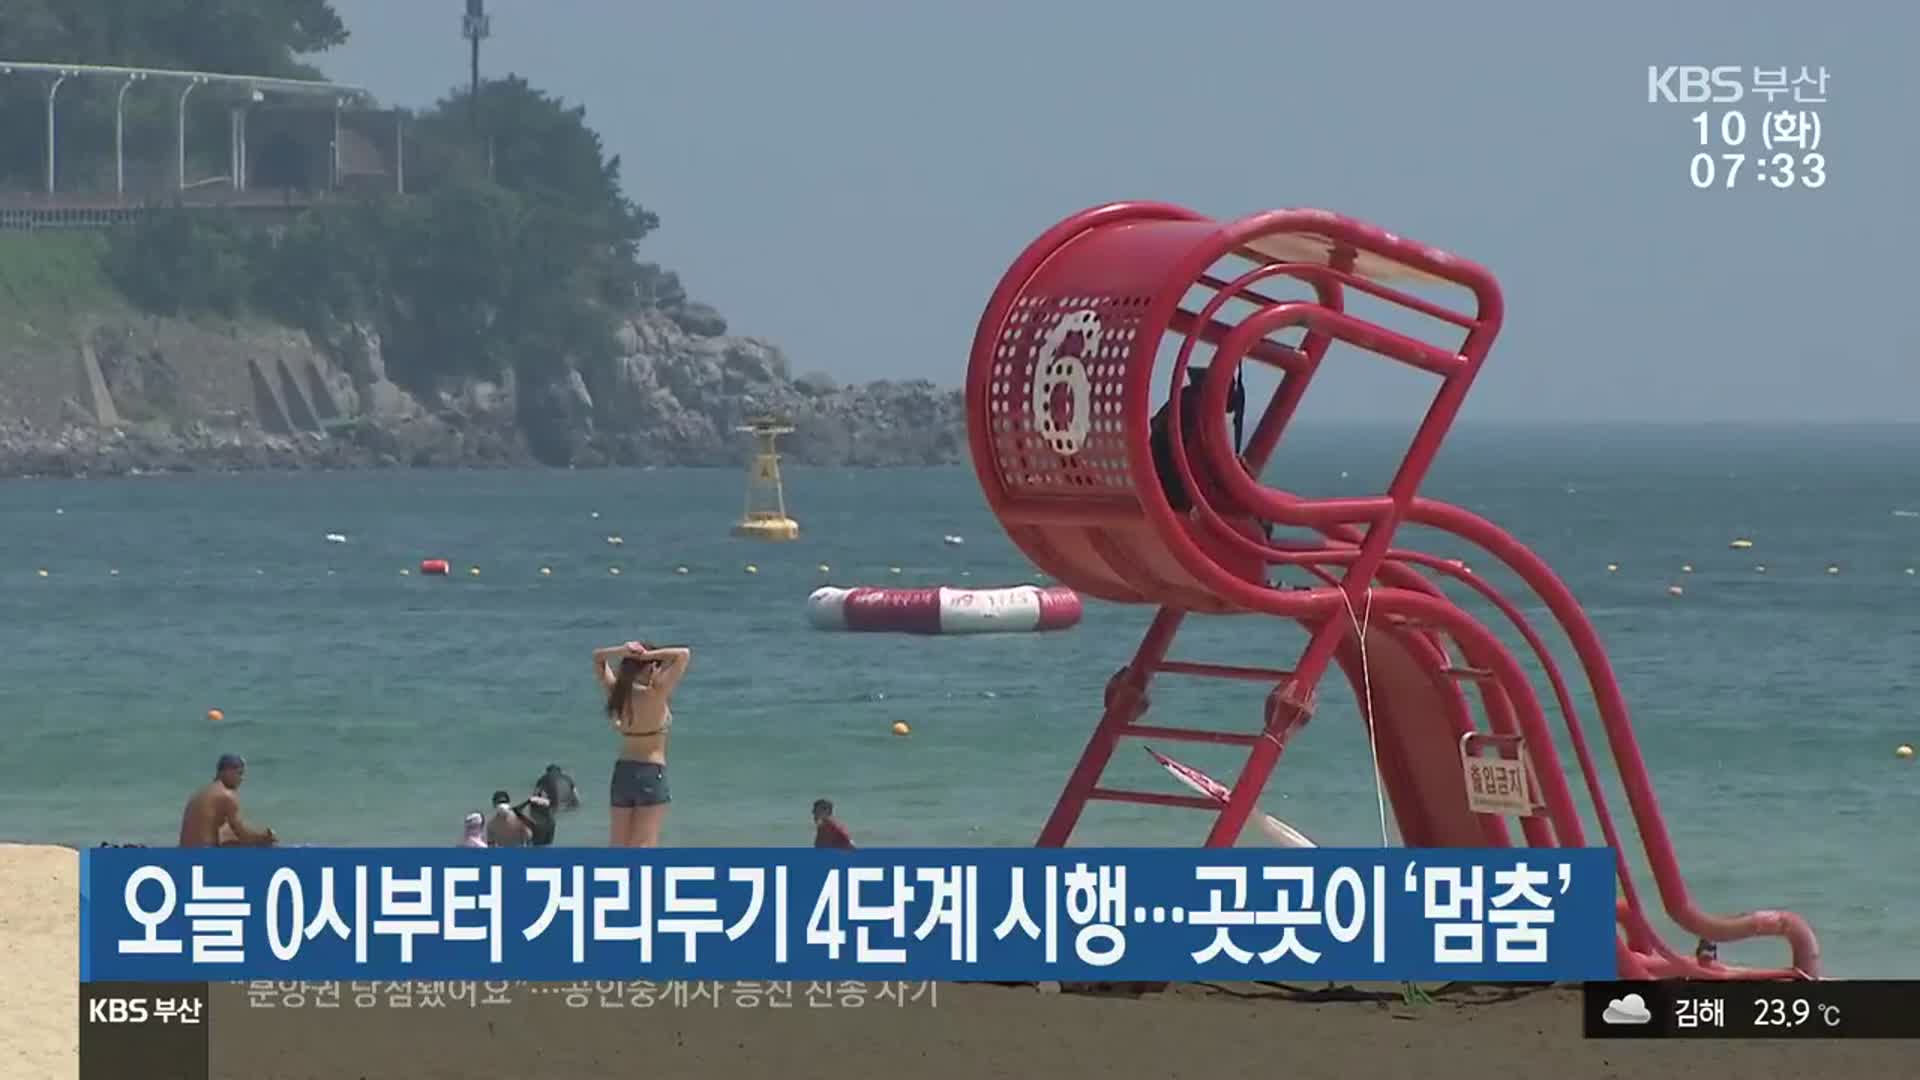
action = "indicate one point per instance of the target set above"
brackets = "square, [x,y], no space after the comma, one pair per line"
[1061,402]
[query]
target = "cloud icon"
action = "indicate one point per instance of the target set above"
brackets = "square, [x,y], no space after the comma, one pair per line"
[1631,1009]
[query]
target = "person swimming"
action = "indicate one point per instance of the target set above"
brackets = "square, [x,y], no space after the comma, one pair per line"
[639,695]
[559,788]
[476,831]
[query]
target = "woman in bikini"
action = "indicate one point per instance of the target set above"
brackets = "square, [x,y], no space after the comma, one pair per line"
[639,681]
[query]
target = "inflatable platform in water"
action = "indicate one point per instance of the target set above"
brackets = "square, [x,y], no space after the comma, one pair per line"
[941,610]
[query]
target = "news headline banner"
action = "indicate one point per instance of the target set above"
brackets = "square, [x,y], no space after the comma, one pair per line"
[995,914]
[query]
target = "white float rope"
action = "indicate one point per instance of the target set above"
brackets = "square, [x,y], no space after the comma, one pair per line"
[1360,625]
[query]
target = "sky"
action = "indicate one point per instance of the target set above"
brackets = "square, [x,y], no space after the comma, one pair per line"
[851,179]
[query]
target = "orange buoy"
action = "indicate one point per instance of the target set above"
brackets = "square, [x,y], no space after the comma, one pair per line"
[900,728]
[434,566]
[216,715]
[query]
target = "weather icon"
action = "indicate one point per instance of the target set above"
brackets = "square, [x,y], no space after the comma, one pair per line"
[1631,1009]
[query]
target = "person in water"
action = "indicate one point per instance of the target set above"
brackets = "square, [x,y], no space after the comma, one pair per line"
[827,830]
[559,788]
[476,831]
[537,814]
[212,817]
[506,828]
[639,681]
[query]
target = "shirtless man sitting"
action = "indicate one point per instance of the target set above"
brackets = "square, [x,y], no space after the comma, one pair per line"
[212,818]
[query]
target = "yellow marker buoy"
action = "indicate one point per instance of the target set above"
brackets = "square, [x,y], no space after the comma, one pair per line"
[765,517]
[679,569]
[1903,752]
[404,572]
[900,728]
[1833,569]
[473,571]
[546,571]
[1675,590]
[1613,568]
[43,571]
[825,569]
[1686,568]
[614,570]
[1741,544]
[890,570]
[216,715]
[752,569]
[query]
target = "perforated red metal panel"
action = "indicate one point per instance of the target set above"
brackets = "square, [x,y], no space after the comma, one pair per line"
[1059,375]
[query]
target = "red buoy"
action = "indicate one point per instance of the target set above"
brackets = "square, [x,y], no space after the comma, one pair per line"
[434,566]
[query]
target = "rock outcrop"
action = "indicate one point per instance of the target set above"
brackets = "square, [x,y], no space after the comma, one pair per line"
[140,394]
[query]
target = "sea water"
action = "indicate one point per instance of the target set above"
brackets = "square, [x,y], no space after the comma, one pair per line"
[376,706]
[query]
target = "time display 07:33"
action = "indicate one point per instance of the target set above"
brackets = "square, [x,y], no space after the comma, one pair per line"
[1786,156]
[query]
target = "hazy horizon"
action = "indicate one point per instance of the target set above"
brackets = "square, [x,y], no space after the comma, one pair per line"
[849,181]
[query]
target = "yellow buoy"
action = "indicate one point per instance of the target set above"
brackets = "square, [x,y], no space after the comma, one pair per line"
[679,569]
[404,571]
[216,715]
[473,571]
[43,571]
[765,517]
[1675,590]
[1741,544]
[900,728]
[546,571]
[1613,568]
[752,569]
[825,569]
[1903,752]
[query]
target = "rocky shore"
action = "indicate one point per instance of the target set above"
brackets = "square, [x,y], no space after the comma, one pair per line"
[138,395]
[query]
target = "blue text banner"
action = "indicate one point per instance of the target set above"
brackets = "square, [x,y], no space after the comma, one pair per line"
[983,914]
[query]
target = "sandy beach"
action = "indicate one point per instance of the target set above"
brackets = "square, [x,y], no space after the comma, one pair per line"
[1200,1030]
[39,962]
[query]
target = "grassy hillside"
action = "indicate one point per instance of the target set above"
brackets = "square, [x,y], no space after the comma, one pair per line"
[49,278]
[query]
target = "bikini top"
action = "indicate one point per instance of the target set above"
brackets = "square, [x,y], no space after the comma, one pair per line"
[621,727]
